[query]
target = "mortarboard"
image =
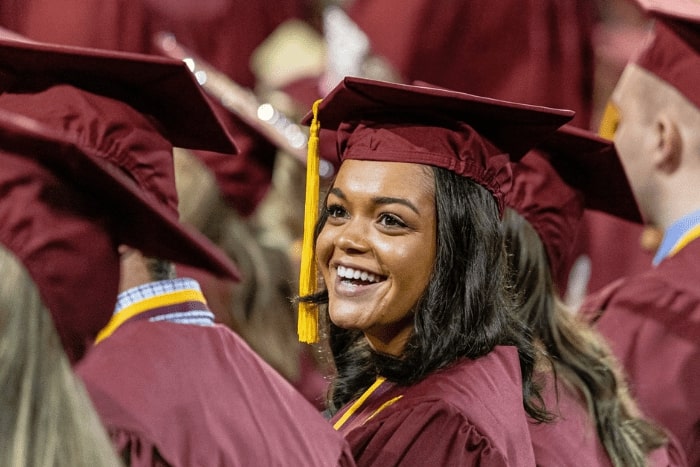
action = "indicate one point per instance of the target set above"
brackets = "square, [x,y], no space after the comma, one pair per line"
[590,164]
[673,50]
[111,154]
[513,127]
[90,118]
[571,170]
[161,88]
[64,240]
[473,136]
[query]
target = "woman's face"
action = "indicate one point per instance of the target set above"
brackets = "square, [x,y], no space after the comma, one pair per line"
[377,248]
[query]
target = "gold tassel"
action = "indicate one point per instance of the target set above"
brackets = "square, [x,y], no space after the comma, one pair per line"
[307,326]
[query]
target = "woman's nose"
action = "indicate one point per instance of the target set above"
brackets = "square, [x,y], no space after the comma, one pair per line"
[353,237]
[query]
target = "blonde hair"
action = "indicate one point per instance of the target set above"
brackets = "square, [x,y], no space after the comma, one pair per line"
[261,311]
[578,355]
[46,417]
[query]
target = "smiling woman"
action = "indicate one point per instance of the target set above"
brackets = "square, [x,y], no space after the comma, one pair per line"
[432,368]
[377,249]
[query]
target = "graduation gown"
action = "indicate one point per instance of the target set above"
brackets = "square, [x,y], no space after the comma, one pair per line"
[187,395]
[652,322]
[468,414]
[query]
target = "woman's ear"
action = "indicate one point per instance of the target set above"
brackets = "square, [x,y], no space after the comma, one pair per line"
[669,145]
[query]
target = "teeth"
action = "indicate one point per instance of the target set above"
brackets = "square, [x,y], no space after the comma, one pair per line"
[349,273]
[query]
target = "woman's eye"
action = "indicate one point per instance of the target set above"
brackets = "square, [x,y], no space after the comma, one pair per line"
[391,220]
[335,211]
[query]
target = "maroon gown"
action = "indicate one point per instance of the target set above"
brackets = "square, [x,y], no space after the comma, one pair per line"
[187,395]
[652,322]
[468,414]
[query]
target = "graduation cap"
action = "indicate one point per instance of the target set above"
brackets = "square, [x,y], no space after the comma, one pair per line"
[475,137]
[110,152]
[590,164]
[64,240]
[161,88]
[673,50]
[571,170]
[513,127]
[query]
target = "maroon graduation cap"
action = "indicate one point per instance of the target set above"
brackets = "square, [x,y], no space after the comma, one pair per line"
[571,170]
[90,132]
[473,136]
[672,52]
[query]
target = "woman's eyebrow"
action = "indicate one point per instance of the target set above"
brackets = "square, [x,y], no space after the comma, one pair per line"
[339,193]
[381,200]
[390,200]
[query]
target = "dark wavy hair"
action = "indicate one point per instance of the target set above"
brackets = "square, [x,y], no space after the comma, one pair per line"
[578,355]
[465,311]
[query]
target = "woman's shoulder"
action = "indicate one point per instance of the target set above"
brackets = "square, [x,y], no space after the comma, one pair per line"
[424,432]
[468,413]
[483,397]
[489,378]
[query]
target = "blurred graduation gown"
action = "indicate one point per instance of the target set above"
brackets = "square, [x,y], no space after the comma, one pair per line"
[185,395]
[652,321]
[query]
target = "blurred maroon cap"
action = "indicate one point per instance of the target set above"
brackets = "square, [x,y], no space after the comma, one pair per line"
[163,89]
[672,50]
[571,170]
[590,164]
[473,136]
[62,236]
[108,151]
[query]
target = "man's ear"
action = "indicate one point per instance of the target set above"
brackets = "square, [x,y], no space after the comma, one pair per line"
[669,145]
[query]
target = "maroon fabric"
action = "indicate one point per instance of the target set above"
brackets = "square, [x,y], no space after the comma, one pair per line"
[615,248]
[223,32]
[571,170]
[532,51]
[64,240]
[468,414]
[571,439]
[129,26]
[201,396]
[112,152]
[652,322]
